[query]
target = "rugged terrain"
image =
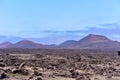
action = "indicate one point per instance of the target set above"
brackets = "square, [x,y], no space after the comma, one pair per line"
[59,64]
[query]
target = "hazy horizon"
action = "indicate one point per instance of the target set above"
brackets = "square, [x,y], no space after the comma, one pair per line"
[59,20]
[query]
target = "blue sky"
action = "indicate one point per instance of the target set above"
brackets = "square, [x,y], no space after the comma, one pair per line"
[60,18]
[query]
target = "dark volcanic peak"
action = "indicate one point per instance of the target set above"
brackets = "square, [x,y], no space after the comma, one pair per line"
[94,38]
[69,43]
[27,44]
[97,42]
[91,42]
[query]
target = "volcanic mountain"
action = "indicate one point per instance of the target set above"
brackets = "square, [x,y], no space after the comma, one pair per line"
[92,41]
[68,44]
[94,38]
[5,44]
[26,44]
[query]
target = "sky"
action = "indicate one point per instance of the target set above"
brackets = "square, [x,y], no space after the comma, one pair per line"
[64,19]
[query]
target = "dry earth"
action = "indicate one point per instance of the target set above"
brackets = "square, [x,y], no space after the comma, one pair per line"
[38,64]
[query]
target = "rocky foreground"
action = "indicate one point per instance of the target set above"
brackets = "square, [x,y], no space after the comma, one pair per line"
[58,65]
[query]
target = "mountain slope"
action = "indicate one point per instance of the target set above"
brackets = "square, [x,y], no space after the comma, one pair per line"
[26,44]
[68,44]
[94,38]
[5,44]
[92,41]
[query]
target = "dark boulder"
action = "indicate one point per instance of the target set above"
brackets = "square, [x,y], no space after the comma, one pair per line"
[3,75]
[38,78]
[20,71]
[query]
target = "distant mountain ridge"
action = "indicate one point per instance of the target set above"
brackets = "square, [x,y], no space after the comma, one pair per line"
[27,44]
[94,38]
[44,40]
[5,44]
[91,41]
[67,44]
